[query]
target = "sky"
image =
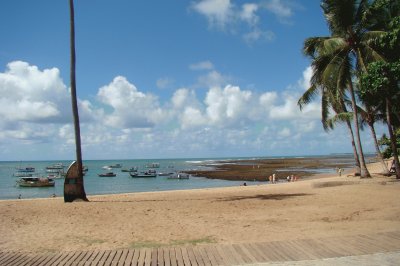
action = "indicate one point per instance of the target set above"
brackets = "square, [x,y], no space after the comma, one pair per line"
[161,79]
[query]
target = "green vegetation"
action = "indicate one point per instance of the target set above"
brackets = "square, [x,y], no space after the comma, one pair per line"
[356,70]
[173,243]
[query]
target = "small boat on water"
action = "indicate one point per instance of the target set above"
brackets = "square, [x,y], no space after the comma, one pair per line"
[153,165]
[56,166]
[108,174]
[25,169]
[132,169]
[166,174]
[179,175]
[35,182]
[143,174]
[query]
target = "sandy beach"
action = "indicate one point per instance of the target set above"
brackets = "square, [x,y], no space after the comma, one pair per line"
[319,207]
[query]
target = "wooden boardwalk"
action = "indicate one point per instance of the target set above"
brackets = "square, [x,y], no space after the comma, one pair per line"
[236,254]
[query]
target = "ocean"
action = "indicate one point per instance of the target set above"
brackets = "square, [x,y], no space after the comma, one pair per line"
[123,182]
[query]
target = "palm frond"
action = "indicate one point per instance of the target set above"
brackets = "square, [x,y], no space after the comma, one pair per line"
[308,96]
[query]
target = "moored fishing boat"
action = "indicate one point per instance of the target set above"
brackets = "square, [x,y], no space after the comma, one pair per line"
[179,175]
[108,174]
[143,174]
[35,182]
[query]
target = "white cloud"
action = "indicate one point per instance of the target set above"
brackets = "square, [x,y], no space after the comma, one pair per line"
[213,79]
[163,83]
[279,8]
[31,95]
[258,35]
[243,20]
[218,12]
[304,82]
[131,108]
[248,13]
[203,65]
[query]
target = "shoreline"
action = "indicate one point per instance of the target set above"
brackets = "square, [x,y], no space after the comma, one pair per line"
[318,207]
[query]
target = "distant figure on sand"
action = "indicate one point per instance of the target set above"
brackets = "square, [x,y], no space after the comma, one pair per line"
[273,178]
[270,178]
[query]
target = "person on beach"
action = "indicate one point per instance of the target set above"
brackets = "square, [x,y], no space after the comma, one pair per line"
[273,178]
[288,178]
[270,178]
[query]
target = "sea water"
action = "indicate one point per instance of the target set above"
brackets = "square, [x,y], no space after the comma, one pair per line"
[123,182]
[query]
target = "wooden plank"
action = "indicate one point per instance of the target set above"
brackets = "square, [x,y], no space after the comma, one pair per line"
[104,258]
[122,257]
[147,261]
[226,260]
[88,257]
[208,258]
[67,258]
[23,260]
[155,257]
[192,257]
[199,259]
[235,256]
[380,242]
[80,258]
[116,258]
[172,257]
[19,259]
[136,256]
[179,256]
[110,257]
[159,256]
[244,254]
[358,245]
[128,258]
[142,256]
[215,254]
[98,258]
[185,256]
[262,256]
[9,256]
[166,257]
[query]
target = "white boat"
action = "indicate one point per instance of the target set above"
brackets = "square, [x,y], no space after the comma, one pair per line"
[179,175]
[26,169]
[35,182]
[153,165]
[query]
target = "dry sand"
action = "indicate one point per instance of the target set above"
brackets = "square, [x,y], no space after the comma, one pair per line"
[328,206]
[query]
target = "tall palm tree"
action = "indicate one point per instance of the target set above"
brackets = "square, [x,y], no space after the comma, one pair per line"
[345,53]
[73,184]
[330,102]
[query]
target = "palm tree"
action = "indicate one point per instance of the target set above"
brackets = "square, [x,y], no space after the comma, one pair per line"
[337,58]
[73,184]
[337,104]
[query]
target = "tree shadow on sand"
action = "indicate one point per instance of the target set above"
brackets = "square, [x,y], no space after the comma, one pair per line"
[265,197]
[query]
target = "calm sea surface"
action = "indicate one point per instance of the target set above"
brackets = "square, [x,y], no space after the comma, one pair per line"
[122,183]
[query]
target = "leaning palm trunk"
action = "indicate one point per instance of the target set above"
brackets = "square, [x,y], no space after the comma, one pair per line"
[364,170]
[392,138]
[353,144]
[73,184]
[378,151]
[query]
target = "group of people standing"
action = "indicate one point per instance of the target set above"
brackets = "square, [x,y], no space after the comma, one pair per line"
[290,178]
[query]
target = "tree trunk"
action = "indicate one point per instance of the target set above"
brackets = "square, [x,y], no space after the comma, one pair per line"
[364,170]
[73,184]
[378,151]
[353,144]
[393,141]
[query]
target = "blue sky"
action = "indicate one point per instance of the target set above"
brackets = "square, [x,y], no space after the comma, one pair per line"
[161,79]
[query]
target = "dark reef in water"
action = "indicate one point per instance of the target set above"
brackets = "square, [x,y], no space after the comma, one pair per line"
[261,169]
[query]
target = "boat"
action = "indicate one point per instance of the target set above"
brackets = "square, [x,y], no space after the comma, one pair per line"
[143,174]
[132,169]
[166,174]
[179,176]
[56,166]
[35,182]
[23,174]
[25,169]
[117,165]
[153,165]
[108,174]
